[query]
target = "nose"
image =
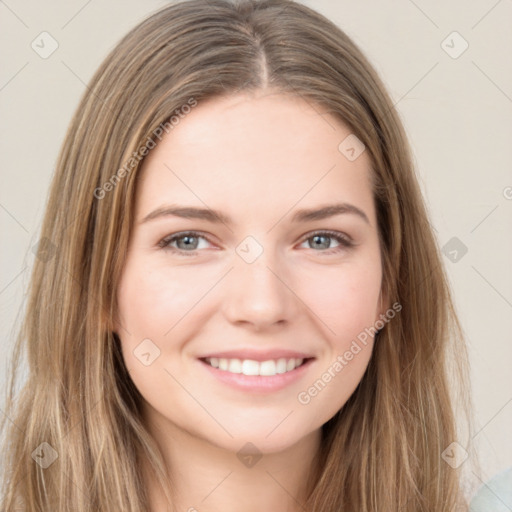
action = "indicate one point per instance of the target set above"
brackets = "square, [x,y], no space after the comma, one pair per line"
[259,294]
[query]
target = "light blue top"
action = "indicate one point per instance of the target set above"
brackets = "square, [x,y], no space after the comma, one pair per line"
[494,495]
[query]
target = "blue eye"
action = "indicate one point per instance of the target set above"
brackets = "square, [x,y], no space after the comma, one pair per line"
[319,241]
[187,242]
[189,245]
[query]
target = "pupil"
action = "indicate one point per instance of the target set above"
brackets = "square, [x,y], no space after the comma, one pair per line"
[319,237]
[187,242]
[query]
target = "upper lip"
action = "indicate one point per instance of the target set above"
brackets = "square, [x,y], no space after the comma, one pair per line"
[258,355]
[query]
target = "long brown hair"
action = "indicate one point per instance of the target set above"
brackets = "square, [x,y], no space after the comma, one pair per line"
[383,449]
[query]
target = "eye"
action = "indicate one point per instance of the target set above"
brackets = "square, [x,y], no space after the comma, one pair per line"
[322,239]
[187,242]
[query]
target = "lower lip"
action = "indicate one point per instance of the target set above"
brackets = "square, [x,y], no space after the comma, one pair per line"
[258,383]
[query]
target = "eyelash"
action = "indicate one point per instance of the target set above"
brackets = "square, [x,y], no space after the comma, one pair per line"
[344,241]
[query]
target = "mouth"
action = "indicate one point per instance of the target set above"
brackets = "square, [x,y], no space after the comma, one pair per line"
[250,367]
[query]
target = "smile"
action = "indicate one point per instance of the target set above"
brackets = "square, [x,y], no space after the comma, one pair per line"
[250,367]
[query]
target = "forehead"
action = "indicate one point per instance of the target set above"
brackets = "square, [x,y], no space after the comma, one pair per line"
[249,153]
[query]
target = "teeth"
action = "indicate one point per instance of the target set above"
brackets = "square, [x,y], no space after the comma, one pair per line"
[250,367]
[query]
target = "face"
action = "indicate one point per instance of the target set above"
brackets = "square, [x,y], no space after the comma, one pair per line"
[261,280]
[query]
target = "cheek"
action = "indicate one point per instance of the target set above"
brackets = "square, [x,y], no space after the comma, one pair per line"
[348,350]
[152,306]
[170,307]
[345,299]
[152,301]
[159,310]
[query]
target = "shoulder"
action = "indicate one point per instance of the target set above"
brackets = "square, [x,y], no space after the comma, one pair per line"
[494,495]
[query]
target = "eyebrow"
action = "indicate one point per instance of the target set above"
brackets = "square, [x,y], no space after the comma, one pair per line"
[217,217]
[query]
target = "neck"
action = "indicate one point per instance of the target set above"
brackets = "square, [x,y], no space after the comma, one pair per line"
[209,478]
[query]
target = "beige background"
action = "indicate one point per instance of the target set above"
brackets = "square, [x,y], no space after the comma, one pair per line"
[457,112]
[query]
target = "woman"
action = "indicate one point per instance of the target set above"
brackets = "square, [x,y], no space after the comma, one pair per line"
[244,368]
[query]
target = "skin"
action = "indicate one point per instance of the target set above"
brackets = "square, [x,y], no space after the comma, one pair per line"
[257,158]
